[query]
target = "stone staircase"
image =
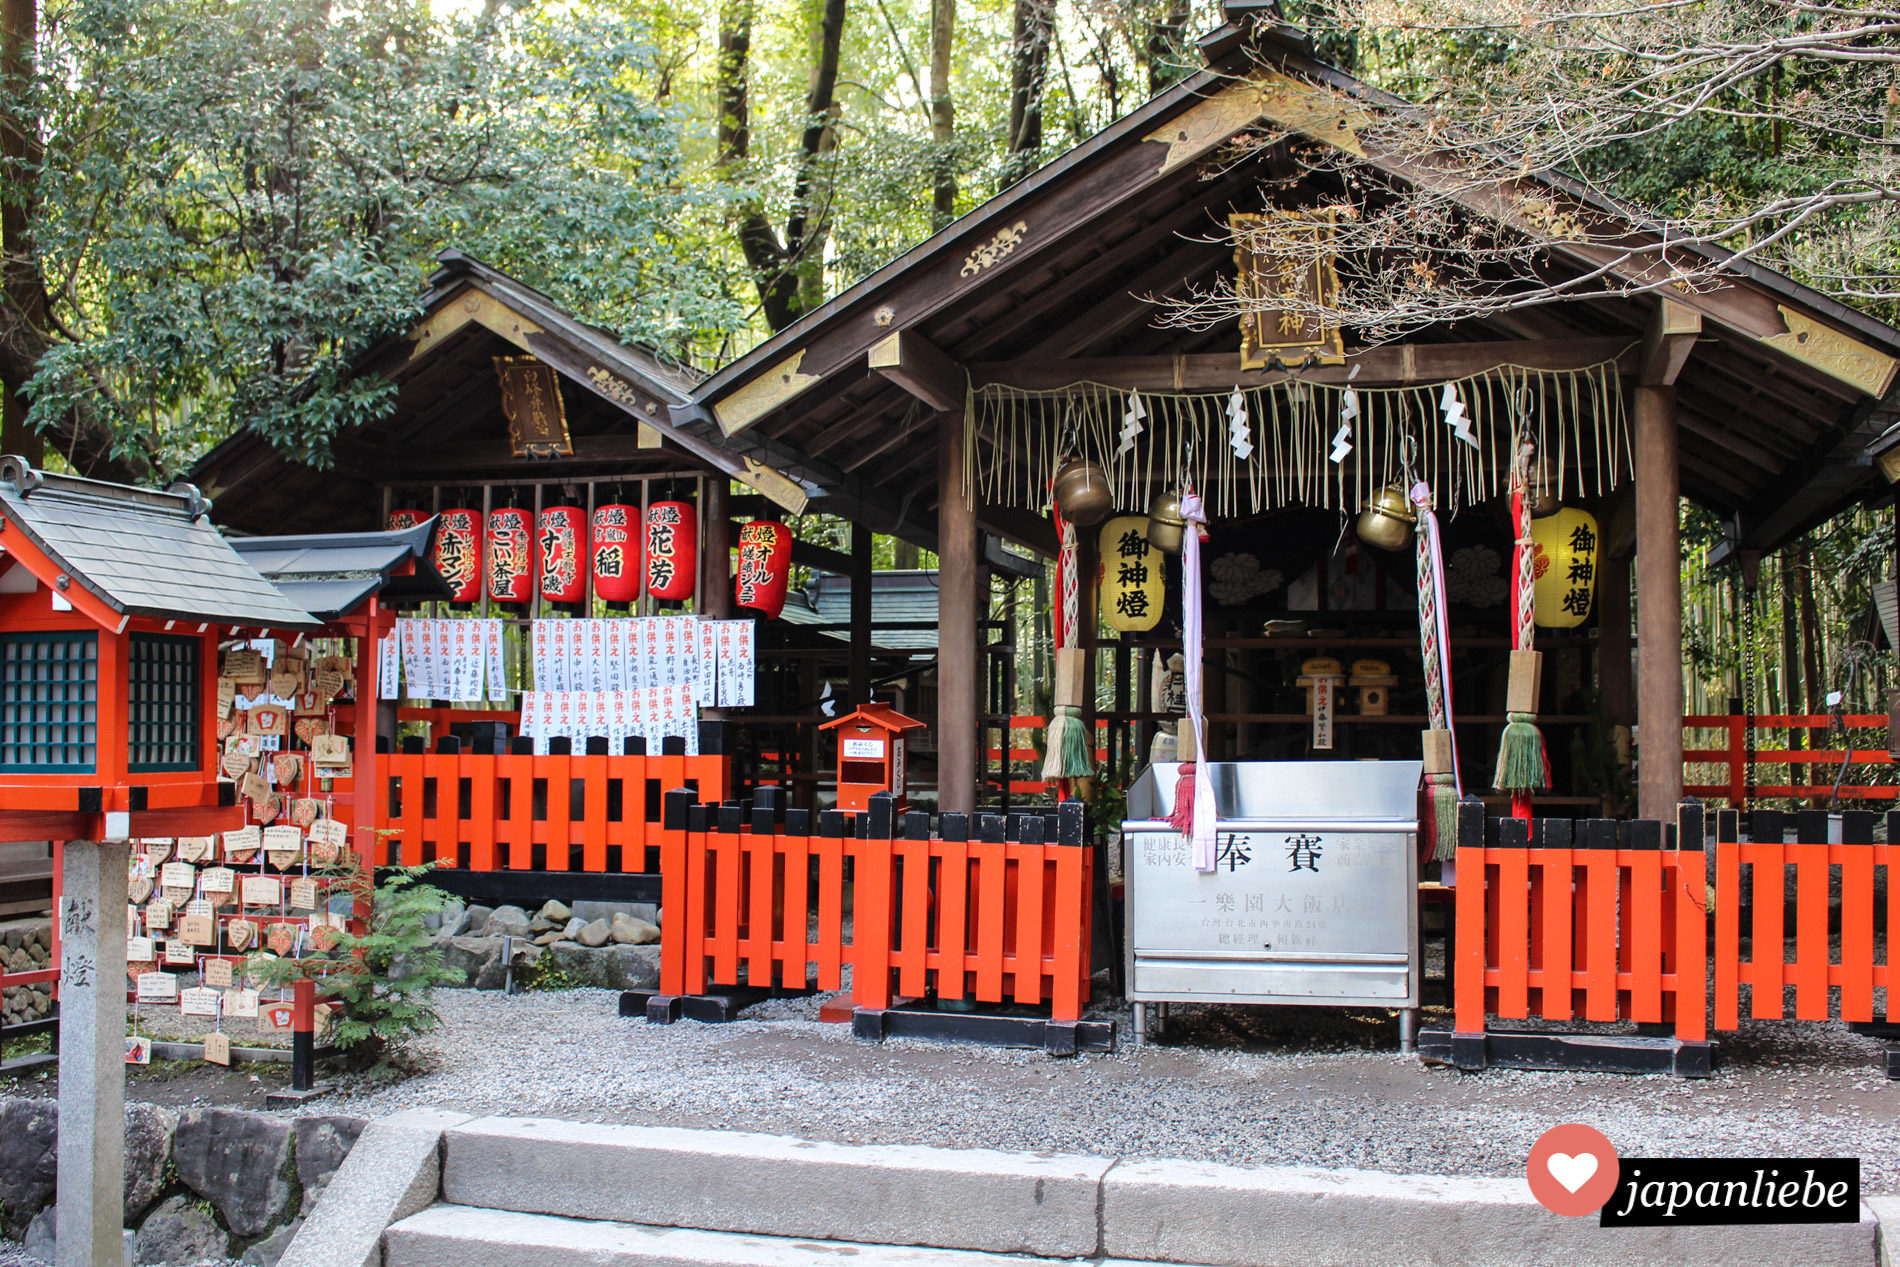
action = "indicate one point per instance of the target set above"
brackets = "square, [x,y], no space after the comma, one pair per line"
[456,1191]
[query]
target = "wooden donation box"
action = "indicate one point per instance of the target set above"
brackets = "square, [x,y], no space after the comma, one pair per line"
[871,755]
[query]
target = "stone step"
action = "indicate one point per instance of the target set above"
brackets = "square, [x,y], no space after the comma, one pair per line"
[458,1236]
[727,1181]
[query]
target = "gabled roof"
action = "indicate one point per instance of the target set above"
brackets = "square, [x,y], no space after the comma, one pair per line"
[139,552]
[1058,273]
[898,598]
[331,574]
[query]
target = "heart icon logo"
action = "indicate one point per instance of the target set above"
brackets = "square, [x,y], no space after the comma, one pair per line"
[1572,1171]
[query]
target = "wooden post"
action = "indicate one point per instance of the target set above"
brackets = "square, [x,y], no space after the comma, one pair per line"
[1659,563]
[959,675]
[860,616]
[715,555]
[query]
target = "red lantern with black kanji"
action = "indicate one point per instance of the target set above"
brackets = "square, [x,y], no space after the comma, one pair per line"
[563,554]
[765,567]
[458,553]
[401,519]
[672,550]
[616,553]
[510,554]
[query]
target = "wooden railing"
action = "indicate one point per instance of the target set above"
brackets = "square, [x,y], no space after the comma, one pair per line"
[1594,920]
[1760,868]
[515,811]
[1003,918]
[1819,764]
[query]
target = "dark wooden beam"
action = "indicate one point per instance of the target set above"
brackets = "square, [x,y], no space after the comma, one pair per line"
[1025,527]
[1659,566]
[860,560]
[959,666]
[1397,365]
[1667,343]
[1817,484]
[812,555]
[715,556]
[920,368]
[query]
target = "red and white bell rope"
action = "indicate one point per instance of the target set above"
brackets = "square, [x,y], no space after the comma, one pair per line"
[1201,823]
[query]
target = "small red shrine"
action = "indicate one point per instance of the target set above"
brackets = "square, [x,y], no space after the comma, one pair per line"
[113,601]
[871,755]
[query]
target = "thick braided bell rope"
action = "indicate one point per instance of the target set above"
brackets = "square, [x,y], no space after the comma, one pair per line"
[1070,590]
[1428,647]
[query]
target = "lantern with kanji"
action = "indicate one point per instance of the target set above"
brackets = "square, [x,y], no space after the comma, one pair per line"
[401,519]
[1131,584]
[563,545]
[871,755]
[616,552]
[510,554]
[765,567]
[457,553]
[1565,567]
[672,550]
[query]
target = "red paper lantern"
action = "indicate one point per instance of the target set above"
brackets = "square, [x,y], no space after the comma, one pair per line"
[401,519]
[765,567]
[563,554]
[672,550]
[510,554]
[458,553]
[616,554]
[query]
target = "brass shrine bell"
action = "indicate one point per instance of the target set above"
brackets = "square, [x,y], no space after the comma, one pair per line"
[1387,520]
[1166,523]
[1082,494]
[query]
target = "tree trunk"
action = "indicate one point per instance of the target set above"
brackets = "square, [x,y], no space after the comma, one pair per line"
[1028,72]
[1166,35]
[943,114]
[19,272]
[1811,666]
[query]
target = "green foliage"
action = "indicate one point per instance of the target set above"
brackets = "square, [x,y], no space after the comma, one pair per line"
[237,197]
[384,977]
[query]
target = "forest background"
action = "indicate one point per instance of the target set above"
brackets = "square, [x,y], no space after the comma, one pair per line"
[208,205]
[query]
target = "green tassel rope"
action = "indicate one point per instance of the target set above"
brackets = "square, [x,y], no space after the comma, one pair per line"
[1521,764]
[1444,792]
[1067,756]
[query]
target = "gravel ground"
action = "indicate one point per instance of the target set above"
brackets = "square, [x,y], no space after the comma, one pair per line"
[1238,1085]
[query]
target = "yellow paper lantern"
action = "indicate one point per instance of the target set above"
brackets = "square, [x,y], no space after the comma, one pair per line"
[1565,567]
[1130,576]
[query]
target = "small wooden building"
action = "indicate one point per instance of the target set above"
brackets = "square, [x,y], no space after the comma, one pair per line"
[113,601]
[965,370]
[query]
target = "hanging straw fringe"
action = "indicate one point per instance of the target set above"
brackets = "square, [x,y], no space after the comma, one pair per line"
[1017,437]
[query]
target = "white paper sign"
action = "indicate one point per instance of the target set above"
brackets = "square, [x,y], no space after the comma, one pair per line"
[157,987]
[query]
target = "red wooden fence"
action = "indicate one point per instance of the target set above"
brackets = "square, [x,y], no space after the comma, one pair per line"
[1808,960]
[1003,918]
[1596,921]
[487,811]
[1819,765]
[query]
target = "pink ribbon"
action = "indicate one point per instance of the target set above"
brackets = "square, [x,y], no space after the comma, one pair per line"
[1201,837]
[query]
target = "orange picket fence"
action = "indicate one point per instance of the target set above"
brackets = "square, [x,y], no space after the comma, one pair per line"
[1593,920]
[1755,874]
[1810,771]
[765,901]
[515,811]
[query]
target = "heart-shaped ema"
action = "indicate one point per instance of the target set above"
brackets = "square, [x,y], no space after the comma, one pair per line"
[287,766]
[281,938]
[1572,1171]
[134,967]
[284,859]
[308,728]
[237,763]
[305,810]
[268,808]
[195,848]
[158,850]
[240,933]
[139,890]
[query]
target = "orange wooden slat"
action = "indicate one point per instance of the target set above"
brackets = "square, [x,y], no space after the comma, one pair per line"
[1513,933]
[828,952]
[759,878]
[1031,931]
[1766,971]
[871,923]
[1071,938]
[1600,922]
[1688,895]
[727,905]
[1646,932]
[1468,971]
[481,812]
[911,938]
[593,773]
[953,881]
[676,890]
[795,946]
[700,863]
[1857,930]
[1813,953]
[517,770]
[989,904]
[559,770]
[413,791]
[1557,894]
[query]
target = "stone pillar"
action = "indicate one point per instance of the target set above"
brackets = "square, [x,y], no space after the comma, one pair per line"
[92,1054]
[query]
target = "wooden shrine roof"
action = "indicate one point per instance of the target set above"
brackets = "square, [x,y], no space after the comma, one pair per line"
[331,574]
[1050,281]
[139,551]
